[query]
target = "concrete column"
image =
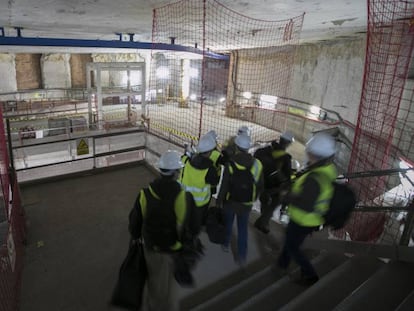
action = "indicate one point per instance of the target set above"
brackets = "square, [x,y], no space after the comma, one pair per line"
[56,71]
[8,81]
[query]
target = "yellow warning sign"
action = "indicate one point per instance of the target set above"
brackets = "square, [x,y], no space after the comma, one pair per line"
[82,146]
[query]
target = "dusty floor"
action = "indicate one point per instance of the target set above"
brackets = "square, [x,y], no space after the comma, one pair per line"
[77,238]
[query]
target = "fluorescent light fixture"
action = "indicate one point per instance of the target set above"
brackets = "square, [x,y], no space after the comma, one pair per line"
[193,96]
[222,99]
[247,95]
[315,110]
[268,101]
[162,72]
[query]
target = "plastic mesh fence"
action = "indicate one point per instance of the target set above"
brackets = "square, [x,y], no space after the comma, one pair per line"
[385,127]
[231,62]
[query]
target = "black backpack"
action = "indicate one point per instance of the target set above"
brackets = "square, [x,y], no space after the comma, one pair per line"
[242,184]
[159,227]
[341,206]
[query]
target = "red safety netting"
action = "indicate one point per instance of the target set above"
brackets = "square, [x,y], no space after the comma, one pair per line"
[12,232]
[385,127]
[230,64]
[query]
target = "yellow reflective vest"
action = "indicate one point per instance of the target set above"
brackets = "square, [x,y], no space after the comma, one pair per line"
[194,180]
[324,175]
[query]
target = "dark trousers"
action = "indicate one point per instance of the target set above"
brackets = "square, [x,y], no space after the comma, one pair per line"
[294,238]
[269,200]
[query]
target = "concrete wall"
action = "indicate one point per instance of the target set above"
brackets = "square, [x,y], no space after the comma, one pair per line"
[8,81]
[330,75]
[28,72]
[78,69]
[326,74]
[36,71]
[56,71]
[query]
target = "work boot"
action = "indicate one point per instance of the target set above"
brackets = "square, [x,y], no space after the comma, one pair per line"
[258,225]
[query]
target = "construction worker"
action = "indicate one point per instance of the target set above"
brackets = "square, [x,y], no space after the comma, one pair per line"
[216,155]
[308,201]
[230,147]
[199,176]
[277,169]
[241,185]
[161,216]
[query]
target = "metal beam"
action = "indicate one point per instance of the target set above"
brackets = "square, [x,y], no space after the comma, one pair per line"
[115,44]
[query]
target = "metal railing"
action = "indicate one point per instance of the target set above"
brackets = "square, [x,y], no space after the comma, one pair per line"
[64,154]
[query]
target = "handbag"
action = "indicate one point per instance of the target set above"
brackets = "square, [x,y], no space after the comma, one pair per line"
[129,288]
[215,226]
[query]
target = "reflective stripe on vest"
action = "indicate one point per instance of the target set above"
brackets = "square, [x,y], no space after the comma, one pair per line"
[276,154]
[324,175]
[194,180]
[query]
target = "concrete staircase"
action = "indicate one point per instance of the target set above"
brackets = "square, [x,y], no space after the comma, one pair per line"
[357,281]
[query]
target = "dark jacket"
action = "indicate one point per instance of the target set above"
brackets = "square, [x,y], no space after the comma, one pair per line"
[244,159]
[165,188]
[277,165]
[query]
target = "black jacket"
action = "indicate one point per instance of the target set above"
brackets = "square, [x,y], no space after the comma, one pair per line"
[167,188]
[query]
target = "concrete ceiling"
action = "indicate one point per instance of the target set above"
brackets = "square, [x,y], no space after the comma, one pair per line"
[102,19]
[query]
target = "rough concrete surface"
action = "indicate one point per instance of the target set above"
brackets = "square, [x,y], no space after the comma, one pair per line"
[78,237]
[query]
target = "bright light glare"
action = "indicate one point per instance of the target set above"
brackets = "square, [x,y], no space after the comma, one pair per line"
[268,101]
[407,179]
[193,72]
[247,95]
[315,110]
[193,96]
[222,99]
[162,72]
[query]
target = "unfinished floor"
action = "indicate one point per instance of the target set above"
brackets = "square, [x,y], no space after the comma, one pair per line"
[78,237]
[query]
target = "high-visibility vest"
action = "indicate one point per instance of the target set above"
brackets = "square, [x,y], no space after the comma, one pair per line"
[180,210]
[214,156]
[194,180]
[324,175]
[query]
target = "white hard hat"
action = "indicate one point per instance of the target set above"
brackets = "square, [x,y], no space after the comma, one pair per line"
[243,141]
[244,130]
[321,145]
[288,136]
[169,162]
[206,143]
[213,134]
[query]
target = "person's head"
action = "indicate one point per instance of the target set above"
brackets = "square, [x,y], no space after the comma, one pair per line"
[243,142]
[286,139]
[244,130]
[206,144]
[320,146]
[170,163]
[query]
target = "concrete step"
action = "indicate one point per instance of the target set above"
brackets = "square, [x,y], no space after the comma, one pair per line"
[407,304]
[275,295]
[196,300]
[339,283]
[385,290]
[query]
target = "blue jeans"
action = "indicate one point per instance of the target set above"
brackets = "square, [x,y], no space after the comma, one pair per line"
[242,212]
